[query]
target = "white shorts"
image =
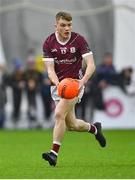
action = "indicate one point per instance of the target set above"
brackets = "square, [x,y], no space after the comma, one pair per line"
[56,97]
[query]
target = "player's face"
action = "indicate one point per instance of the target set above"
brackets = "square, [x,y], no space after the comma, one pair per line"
[64,28]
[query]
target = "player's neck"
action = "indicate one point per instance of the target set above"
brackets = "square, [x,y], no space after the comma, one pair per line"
[62,40]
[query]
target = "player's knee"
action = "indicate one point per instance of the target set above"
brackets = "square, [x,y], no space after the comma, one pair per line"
[58,115]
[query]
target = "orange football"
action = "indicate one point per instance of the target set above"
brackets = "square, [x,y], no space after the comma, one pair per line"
[68,88]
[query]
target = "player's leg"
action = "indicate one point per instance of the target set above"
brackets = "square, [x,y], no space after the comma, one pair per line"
[61,110]
[75,124]
[80,125]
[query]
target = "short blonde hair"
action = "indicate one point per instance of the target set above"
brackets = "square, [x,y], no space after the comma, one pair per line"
[63,15]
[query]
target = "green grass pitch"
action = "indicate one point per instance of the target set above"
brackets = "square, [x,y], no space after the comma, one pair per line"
[80,155]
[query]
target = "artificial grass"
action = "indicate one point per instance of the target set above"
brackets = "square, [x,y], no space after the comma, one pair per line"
[80,155]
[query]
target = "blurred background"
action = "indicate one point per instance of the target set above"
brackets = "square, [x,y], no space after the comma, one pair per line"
[108,26]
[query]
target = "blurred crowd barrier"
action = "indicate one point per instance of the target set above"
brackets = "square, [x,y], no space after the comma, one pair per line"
[24,121]
[120,109]
[118,113]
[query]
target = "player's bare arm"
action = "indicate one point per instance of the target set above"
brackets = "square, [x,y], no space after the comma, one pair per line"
[51,72]
[90,68]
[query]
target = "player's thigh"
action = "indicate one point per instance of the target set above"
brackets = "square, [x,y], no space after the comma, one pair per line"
[64,106]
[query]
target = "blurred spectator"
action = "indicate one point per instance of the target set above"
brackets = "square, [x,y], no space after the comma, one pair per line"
[46,95]
[17,84]
[105,75]
[32,79]
[105,72]
[3,97]
[124,78]
[44,87]
[40,65]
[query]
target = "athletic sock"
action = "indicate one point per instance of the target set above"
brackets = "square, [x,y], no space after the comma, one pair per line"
[92,129]
[55,147]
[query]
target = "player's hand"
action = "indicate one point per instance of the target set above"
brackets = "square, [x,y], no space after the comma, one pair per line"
[81,84]
[57,84]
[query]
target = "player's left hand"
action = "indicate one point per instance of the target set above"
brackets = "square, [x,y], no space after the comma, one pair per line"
[81,84]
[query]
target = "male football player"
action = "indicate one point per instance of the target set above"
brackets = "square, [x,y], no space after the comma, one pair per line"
[64,52]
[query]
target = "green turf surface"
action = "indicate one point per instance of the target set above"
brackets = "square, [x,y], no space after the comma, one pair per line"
[80,155]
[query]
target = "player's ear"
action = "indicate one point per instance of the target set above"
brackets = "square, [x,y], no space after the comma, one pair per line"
[55,26]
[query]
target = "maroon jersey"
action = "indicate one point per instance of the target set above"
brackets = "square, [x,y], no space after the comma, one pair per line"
[67,56]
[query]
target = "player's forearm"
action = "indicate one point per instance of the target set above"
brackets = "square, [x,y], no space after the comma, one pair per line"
[88,73]
[51,72]
[90,68]
[53,77]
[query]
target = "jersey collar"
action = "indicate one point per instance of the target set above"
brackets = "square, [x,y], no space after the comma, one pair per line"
[62,43]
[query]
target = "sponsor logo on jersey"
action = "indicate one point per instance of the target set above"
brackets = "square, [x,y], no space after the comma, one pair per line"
[66,61]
